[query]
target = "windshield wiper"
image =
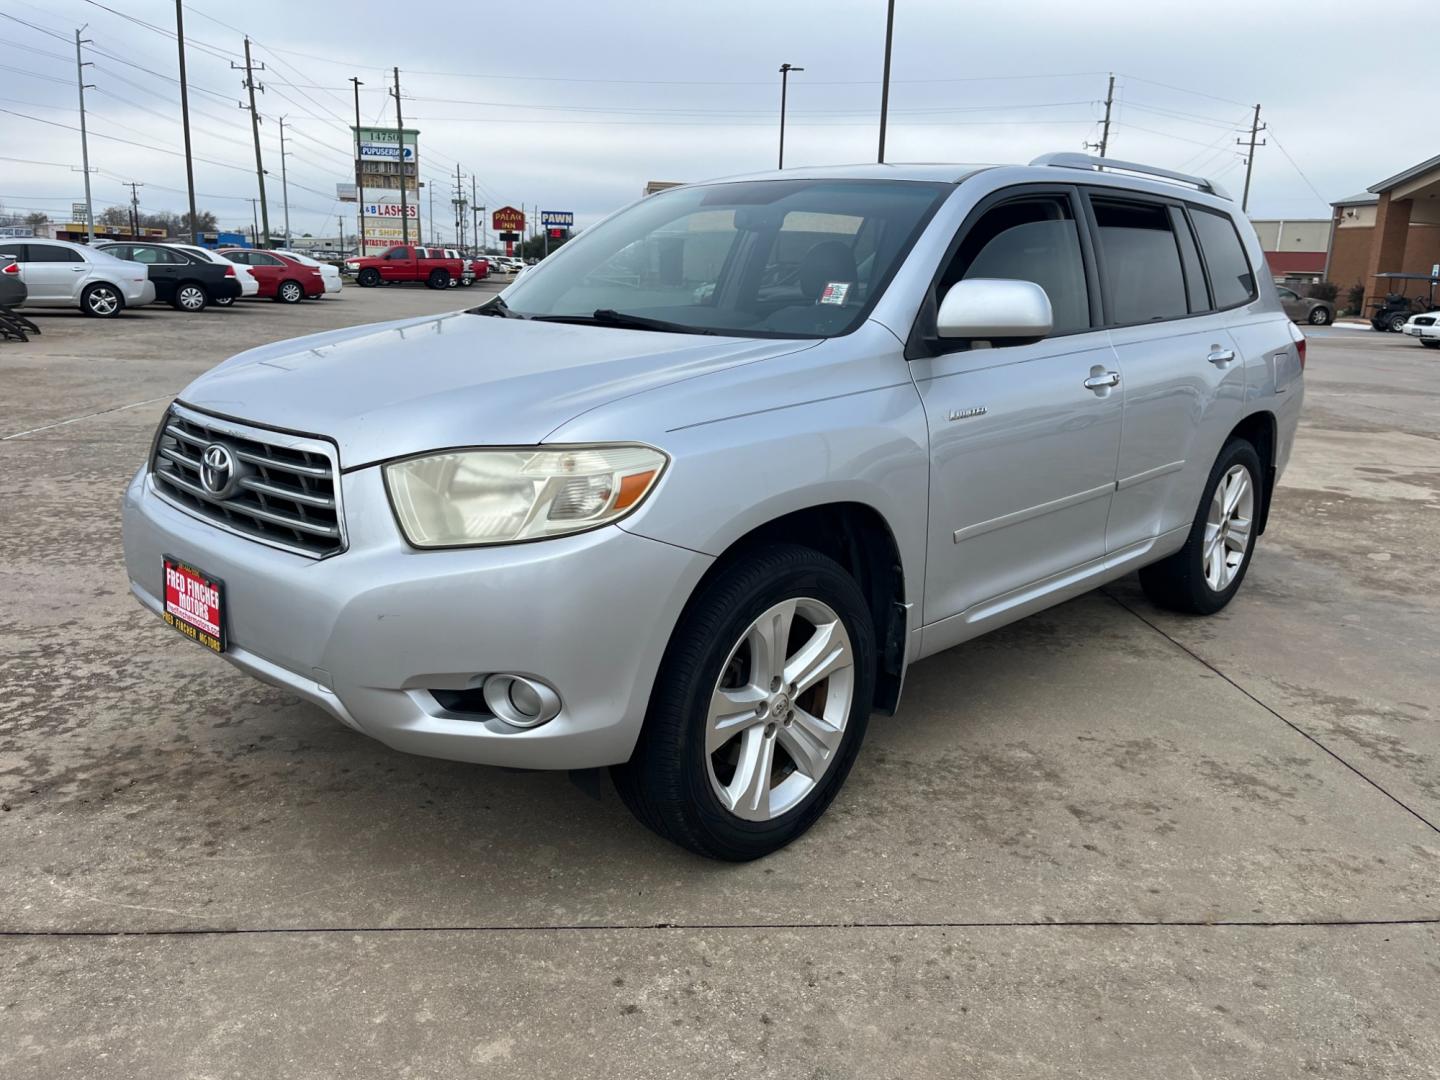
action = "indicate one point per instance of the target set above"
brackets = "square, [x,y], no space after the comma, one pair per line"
[496,307]
[611,317]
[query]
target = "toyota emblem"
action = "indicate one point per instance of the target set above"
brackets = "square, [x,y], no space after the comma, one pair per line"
[217,470]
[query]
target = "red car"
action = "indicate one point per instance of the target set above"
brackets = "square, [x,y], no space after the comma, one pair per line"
[280,276]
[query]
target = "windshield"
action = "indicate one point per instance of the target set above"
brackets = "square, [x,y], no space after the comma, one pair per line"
[772,258]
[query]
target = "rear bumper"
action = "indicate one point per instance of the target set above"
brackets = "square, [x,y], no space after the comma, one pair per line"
[140,295]
[228,288]
[366,634]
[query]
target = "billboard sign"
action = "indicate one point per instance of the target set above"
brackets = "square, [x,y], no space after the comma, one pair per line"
[392,210]
[347,193]
[384,152]
[557,219]
[508,219]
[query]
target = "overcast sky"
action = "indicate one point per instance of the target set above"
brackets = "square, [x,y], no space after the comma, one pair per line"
[574,106]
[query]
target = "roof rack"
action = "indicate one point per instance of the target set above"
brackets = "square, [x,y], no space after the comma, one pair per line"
[1085,161]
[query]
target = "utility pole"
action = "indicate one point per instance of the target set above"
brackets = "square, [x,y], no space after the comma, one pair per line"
[459,208]
[254,226]
[340,221]
[479,214]
[1104,142]
[185,120]
[359,168]
[255,131]
[400,148]
[785,70]
[432,213]
[284,183]
[1255,128]
[885,79]
[134,207]
[80,66]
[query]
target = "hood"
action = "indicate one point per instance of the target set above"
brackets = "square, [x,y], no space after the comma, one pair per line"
[397,388]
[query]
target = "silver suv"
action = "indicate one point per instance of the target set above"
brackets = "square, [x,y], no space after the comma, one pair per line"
[62,274]
[689,498]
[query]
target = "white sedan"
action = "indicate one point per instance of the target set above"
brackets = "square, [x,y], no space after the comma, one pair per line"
[1425,327]
[329,273]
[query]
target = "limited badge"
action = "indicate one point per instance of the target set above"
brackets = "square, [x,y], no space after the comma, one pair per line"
[835,292]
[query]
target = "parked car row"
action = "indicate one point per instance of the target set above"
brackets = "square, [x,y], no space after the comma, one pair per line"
[106,279]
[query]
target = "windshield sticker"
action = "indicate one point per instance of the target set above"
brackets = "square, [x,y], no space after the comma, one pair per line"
[835,292]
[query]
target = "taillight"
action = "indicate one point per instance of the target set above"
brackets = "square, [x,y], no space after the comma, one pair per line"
[1300,348]
[229,271]
[11,268]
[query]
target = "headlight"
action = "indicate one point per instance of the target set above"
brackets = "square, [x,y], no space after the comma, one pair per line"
[468,497]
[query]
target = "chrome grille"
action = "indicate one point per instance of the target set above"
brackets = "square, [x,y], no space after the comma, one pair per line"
[283,491]
[1425,321]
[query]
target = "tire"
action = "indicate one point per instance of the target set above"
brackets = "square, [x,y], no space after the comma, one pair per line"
[1320,316]
[191,297]
[102,301]
[1396,323]
[438,279]
[1430,344]
[290,292]
[368,278]
[223,301]
[1180,582]
[674,786]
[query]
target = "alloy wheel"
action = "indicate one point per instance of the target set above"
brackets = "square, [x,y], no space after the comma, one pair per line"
[778,711]
[104,301]
[290,292]
[1227,527]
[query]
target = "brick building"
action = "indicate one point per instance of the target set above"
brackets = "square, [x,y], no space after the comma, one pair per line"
[1295,249]
[1392,227]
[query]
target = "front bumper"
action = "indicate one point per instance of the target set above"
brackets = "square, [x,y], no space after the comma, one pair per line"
[367,633]
[1423,331]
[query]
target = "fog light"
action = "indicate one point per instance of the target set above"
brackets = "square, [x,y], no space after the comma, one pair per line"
[521,702]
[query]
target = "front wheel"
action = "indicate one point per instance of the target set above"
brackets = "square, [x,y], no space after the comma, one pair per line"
[1430,343]
[1320,316]
[759,708]
[368,278]
[1204,575]
[290,292]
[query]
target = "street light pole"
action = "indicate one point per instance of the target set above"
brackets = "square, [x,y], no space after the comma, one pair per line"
[80,65]
[785,70]
[359,169]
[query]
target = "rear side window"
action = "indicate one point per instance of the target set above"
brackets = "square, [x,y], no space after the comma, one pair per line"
[1032,239]
[46,253]
[1142,262]
[17,250]
[1230,273]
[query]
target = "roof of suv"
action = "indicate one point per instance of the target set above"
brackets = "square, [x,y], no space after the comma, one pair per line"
[936,172]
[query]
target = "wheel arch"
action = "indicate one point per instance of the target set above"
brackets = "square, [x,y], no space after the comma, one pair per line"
[1261,430]
[858,537]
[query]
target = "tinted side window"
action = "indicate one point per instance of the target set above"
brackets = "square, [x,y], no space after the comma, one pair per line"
[1031,239]
[1230,273]
[259,258]
[12,248]
[1142,262]
[49,253]
[1195,290]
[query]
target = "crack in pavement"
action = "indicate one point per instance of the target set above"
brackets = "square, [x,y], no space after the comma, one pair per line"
[1274,712]
[1057,924]
[86,416]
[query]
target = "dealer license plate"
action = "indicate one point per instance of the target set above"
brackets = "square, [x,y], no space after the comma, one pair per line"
[195,603]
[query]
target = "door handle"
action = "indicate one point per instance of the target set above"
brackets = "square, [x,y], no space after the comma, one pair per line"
[1103,380]
[78,269]
[1219,356]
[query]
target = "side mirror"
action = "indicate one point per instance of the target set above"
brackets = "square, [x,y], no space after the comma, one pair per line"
[995,309]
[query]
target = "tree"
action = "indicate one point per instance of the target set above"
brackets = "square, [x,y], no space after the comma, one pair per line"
[37,218]
[113,215]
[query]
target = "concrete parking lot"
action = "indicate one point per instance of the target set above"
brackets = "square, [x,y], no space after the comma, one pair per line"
[1104,842]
